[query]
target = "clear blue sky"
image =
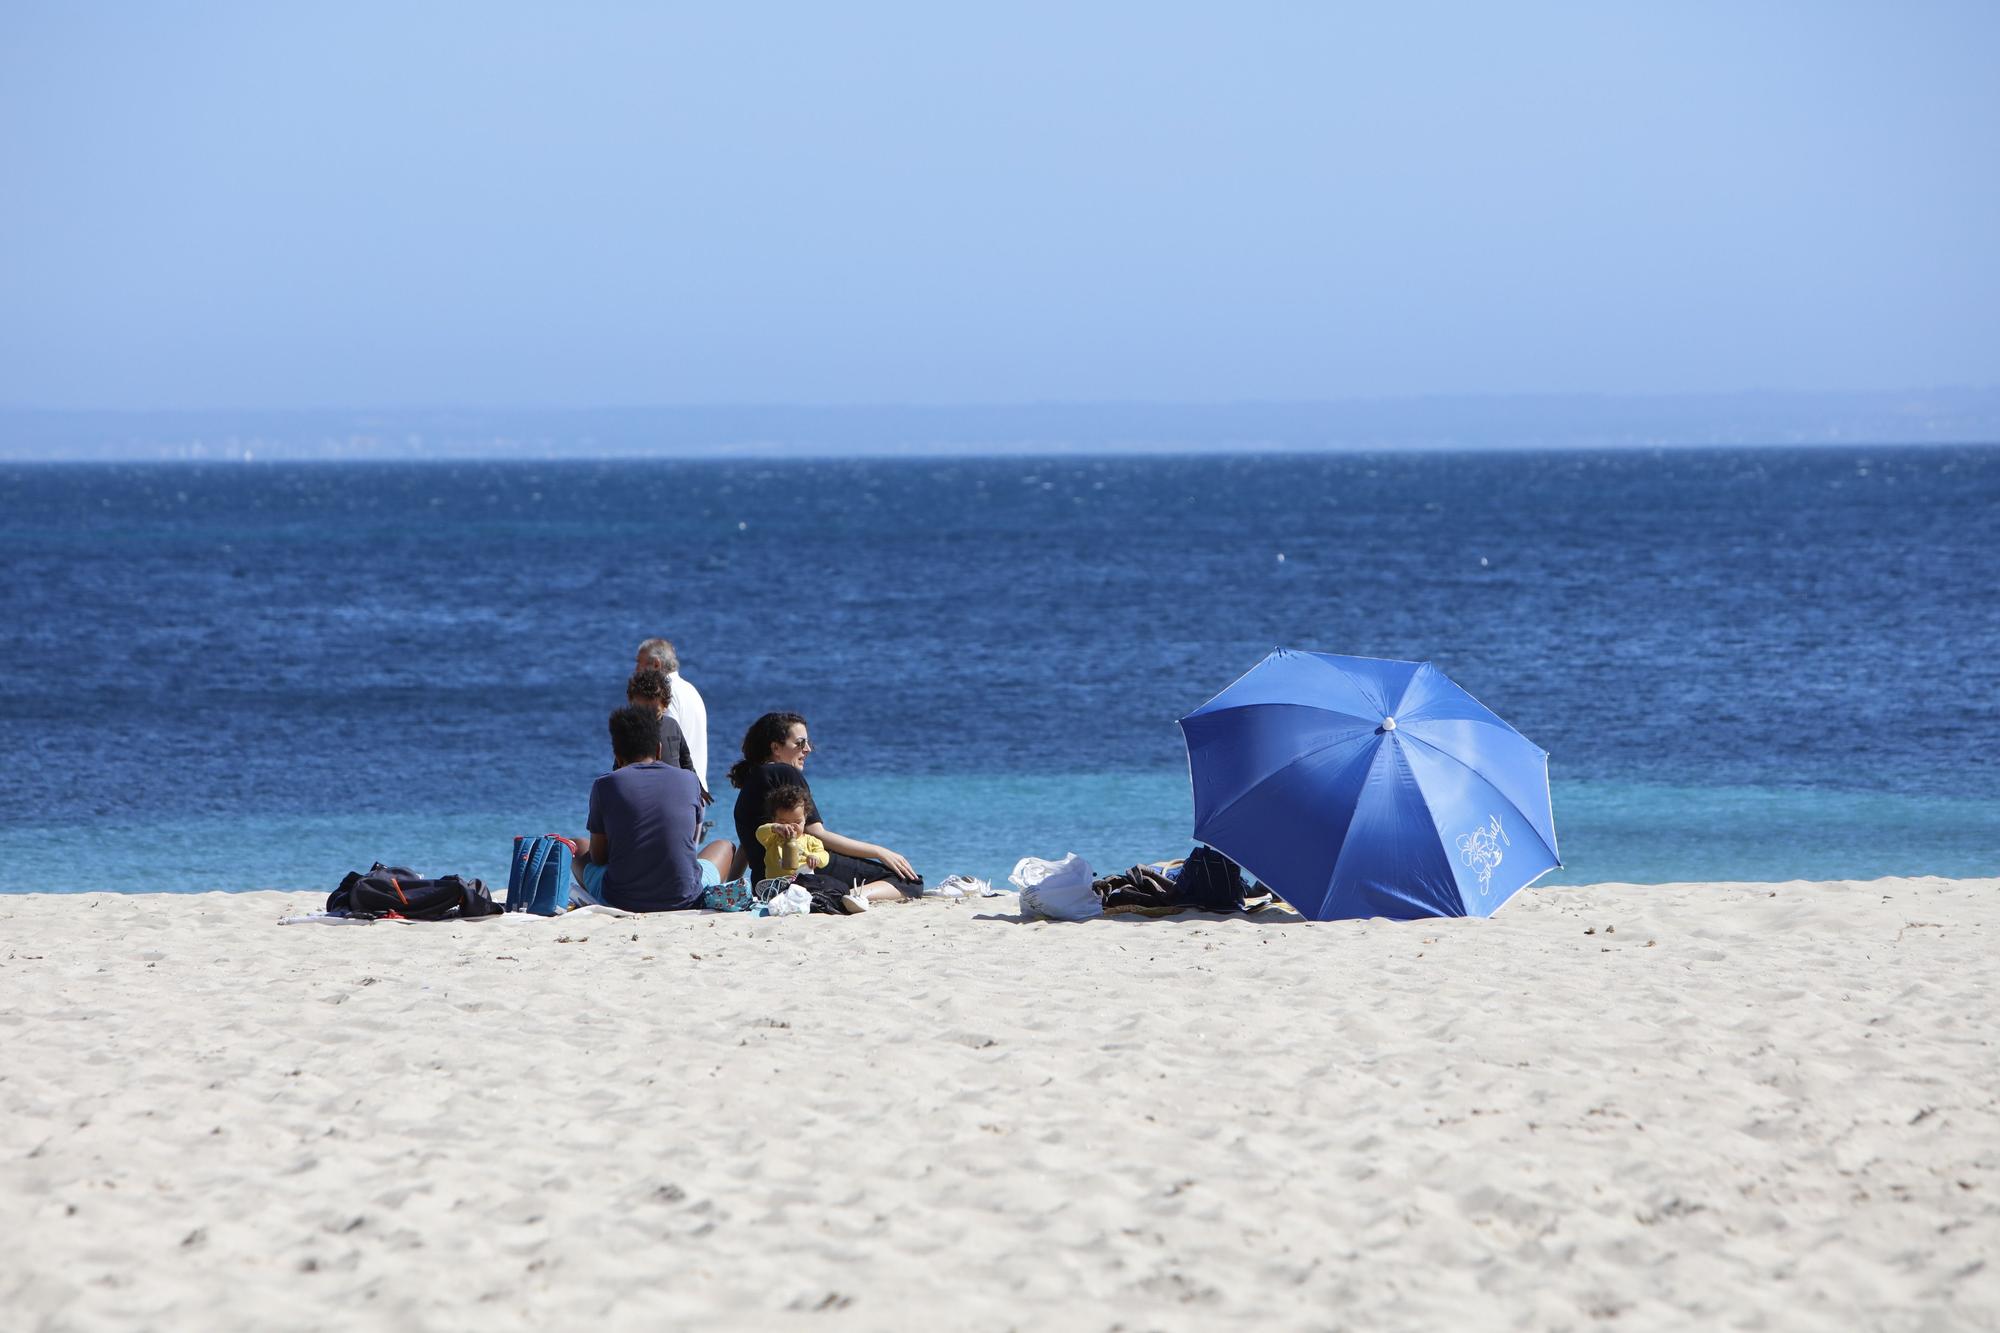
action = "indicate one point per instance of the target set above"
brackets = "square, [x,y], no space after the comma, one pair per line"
[292,205]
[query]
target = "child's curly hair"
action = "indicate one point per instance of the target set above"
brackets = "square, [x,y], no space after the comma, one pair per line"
[784,797]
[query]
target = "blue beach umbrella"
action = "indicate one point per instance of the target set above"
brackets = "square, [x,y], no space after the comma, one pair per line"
[1358,786]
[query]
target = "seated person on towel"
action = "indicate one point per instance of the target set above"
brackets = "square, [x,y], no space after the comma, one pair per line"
[644,819]
[788,848]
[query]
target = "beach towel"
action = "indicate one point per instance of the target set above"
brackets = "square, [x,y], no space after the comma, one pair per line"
[509,918]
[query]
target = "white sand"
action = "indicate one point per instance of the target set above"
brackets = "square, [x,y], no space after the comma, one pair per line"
[1758,1106]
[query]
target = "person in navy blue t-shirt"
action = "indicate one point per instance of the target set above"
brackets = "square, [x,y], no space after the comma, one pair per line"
[644,819]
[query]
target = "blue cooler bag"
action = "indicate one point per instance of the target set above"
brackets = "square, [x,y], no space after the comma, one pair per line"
[538,881]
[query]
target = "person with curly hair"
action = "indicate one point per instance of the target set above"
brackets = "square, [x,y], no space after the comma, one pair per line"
[650,688]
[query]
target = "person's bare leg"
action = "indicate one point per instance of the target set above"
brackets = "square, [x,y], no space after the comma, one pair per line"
[722,855]
[882,891]
[576,862]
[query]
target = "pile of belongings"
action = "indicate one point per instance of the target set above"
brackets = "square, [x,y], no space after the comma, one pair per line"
[1065,890]
[1207,881]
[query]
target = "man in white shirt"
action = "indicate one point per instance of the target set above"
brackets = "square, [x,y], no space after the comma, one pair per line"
[685,705]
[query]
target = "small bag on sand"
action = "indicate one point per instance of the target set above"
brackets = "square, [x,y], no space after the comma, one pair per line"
[735,896]
[1059,890]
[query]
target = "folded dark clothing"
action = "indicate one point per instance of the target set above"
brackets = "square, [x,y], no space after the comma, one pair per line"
[826,893]
[1140,889]
[1207,881]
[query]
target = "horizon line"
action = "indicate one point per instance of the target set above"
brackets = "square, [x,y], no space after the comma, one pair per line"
[1436,396]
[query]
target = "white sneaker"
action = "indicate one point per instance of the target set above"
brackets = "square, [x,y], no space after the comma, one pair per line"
[855,903]
[962,886]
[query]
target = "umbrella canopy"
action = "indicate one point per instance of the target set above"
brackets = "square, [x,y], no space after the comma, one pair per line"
[1358,786]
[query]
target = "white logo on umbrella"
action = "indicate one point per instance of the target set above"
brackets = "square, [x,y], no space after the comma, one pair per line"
[1480,849]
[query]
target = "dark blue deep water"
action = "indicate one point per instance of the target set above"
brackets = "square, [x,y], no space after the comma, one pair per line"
[1753,664]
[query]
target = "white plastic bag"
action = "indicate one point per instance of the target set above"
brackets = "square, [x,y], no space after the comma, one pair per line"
[1057,889]
[794,901]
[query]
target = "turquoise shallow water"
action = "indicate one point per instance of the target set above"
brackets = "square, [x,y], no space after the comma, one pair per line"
[1634,833]
[1746,664]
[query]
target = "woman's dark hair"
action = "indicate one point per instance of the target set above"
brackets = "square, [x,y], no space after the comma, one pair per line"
[635,734]
[765,732]
[650,684]
[784,796]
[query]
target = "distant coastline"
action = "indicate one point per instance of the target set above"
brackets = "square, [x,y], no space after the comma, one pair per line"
[1933,416]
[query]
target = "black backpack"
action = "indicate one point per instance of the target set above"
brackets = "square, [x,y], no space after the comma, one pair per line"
[400,891]
[1211,881]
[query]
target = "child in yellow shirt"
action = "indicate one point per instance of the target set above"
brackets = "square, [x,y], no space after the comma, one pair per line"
[788,848]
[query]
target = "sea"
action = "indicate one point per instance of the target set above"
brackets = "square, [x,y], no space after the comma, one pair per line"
[1751,664]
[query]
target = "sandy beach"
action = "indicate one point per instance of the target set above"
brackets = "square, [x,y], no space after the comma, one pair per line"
[1734,1106]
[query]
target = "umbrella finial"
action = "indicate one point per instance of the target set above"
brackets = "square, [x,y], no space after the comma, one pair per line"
[1388,724]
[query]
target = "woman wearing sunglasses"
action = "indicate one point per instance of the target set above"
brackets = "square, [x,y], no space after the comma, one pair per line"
[774,755]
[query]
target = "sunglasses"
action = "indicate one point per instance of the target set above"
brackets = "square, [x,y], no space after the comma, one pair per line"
[799,742]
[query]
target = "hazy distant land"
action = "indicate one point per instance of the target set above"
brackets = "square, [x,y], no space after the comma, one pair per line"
[1941,416]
